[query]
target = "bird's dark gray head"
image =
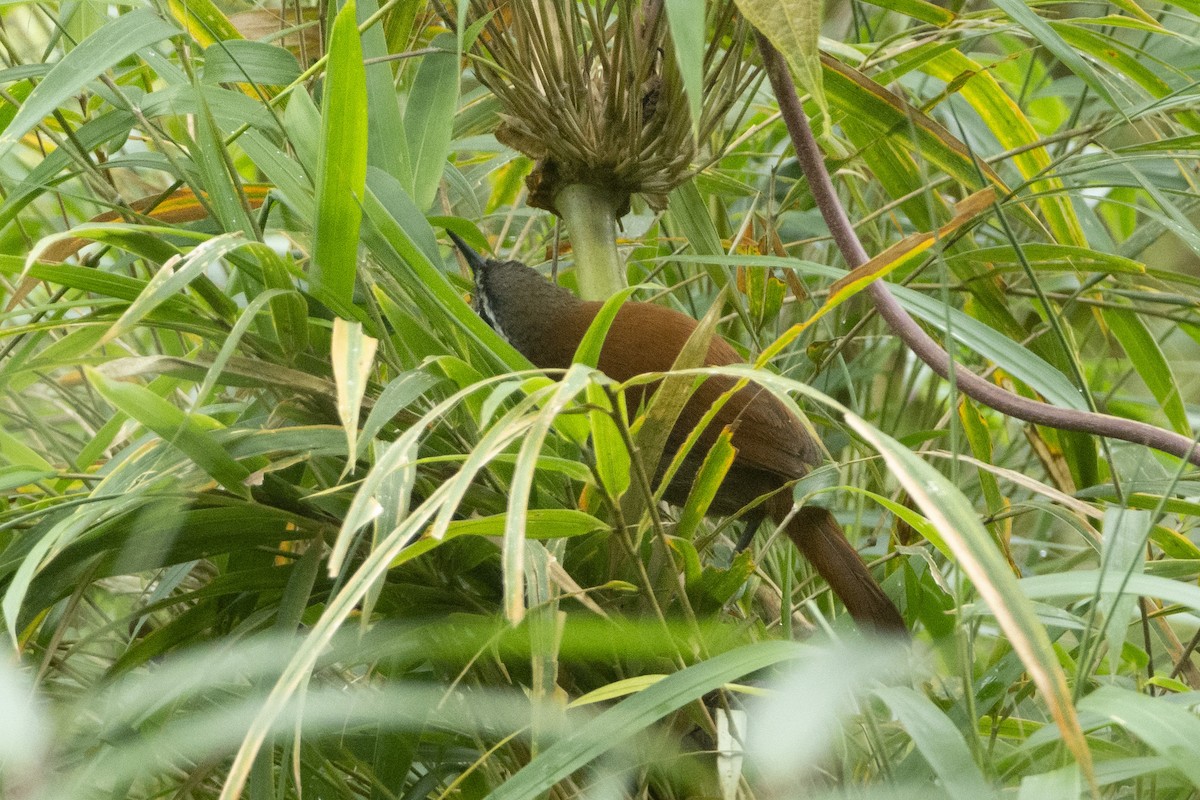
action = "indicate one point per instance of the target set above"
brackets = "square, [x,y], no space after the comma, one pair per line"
[512,298]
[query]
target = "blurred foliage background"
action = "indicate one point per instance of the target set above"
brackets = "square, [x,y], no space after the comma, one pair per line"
[281,517]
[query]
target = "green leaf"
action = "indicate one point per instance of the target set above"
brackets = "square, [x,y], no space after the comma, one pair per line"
[289,312]
[342,166]
[429,119]
[634,714]
[17,453]
[171,279]
[1150,363]
[938,741]
[1048,255]
[14,476]
[1088,583]
[561,394]
[977,556]
[1041,30]
[918,9]
[713,470]
[667,403]
[541,523]
[613,463]
[1008,123]
[1124,553]
[1170,731]
[1062,784]
[110,45]
[431,289]
[192,434]
[588,350]
[794,28]
[241,61]
[204,21]
[386,150]
[223,194]
[686,18]
[398,394]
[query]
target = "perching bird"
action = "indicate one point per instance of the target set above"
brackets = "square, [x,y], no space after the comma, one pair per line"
[546,323]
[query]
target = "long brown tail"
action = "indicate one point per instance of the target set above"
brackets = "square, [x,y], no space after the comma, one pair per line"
[818,536]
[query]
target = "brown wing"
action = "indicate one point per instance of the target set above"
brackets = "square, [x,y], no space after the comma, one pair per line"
[648,338]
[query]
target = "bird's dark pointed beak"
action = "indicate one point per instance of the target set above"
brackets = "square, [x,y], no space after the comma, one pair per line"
[475,261]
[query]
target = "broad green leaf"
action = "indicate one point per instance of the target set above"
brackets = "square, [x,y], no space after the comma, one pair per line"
[1048,255]
[231,109]
[1061,784]
[920,10]
[668,401]
[291,182]
[543,523]
[221,364]
[615,690]
[14,476]
[231,370]
[429,119]
[387,150]
[289,312]
[240,61]
[979,437]
[397,395]
[577,379]
[888,114]
[221,191]
[588,351]
[342,170]
[192,434]
[432,290]
[1086,584]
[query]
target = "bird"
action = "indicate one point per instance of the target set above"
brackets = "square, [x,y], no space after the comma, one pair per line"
[545,323]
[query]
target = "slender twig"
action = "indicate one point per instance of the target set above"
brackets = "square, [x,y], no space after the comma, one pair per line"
[808,153]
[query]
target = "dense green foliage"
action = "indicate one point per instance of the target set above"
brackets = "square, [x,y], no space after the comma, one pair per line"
[282,517]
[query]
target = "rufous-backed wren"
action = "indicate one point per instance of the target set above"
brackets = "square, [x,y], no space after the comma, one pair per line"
[546,322]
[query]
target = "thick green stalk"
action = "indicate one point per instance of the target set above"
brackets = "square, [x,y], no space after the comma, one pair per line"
[590,214]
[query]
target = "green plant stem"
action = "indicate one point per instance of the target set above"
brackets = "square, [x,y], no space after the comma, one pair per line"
[590,214]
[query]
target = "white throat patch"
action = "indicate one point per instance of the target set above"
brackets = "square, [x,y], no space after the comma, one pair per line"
[488,315]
